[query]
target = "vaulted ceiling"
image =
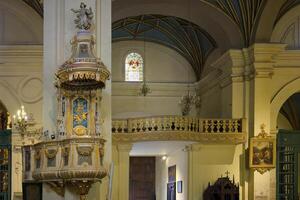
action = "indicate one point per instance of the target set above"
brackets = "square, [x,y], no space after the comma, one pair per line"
[244,13]
[188,39]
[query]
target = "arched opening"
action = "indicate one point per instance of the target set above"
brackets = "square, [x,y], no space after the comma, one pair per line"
[280,98]
[289,114]
[288,148]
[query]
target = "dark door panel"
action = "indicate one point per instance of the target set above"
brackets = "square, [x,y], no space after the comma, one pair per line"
[142,178]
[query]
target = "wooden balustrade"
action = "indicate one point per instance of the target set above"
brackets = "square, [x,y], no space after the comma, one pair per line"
[176,123]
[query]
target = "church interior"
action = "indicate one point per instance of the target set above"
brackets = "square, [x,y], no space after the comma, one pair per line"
[149,99]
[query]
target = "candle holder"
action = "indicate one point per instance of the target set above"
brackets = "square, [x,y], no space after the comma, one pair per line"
[20,120]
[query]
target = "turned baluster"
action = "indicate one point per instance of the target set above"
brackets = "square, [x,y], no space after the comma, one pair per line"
[236,126]
[230,126]
[218,126]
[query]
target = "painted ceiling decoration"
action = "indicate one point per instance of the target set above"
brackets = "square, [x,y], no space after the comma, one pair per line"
[187,38]
[37,5]
[291,110]
[244,13]
[287,6]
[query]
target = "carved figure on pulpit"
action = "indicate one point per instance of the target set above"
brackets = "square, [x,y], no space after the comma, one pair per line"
[61,127]
[84,17]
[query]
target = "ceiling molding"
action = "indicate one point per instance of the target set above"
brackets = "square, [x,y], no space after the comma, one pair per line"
[185,37]
[244,13]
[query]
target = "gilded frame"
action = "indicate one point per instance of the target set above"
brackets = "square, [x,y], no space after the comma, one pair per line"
[262,153]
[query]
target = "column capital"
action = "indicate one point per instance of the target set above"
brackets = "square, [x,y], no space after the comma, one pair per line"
[124,147]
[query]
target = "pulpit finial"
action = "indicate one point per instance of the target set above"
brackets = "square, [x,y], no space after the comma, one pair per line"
[84,17]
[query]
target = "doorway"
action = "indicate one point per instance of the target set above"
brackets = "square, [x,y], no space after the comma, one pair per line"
[142,178]
[288,165]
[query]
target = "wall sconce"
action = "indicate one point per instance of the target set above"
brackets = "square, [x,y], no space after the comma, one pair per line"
[164,157]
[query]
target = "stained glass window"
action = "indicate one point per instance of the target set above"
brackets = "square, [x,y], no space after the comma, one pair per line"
[134,67]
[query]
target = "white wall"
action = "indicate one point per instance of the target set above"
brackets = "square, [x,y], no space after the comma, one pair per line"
[21,84]
[211,103]
[180,159]
[161,64]
[167,75]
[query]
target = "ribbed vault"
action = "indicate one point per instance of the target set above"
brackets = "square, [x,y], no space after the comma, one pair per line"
[192,42]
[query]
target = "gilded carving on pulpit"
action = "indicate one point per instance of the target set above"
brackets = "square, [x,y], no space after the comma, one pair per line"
[80,114]
[84,17]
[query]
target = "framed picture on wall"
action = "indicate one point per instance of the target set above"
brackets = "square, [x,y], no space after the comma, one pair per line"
[262,153]
[172,174]
[179,186]
[171,191]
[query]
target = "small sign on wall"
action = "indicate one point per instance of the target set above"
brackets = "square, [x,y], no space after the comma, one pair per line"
[179,186]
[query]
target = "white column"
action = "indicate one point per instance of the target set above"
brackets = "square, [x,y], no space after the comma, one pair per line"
[103,51]
[52,34]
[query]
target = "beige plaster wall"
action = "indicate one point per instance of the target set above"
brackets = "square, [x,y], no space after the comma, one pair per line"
[207,163]
[161,64]
[180,159]
[21,84]
[167,73]
[18,18]
[211,103]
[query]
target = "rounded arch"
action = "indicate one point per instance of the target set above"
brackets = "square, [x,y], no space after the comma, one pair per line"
[278,100]
[18,16]
[286,25]
[224,31]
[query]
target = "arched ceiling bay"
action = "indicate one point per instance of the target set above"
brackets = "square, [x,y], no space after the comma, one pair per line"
[192,42]
[245,15]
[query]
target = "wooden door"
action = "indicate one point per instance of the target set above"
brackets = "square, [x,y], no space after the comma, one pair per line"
[288,150]
[142,178]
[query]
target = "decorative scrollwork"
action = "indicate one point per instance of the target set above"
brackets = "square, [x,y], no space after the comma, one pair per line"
[51,153]
[85,150]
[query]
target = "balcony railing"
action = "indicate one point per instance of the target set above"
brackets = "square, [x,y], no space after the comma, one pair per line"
[189,126]
[176,123]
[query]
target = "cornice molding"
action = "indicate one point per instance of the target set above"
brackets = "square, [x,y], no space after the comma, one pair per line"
[20,56]
[207,138]
[157,89]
